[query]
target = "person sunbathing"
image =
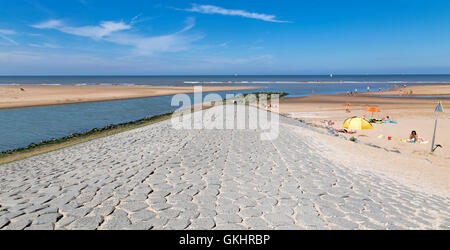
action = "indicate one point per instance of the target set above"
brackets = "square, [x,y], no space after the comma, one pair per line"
[373,120]
[413,137]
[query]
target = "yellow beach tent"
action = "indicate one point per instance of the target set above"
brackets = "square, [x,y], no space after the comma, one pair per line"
[357,123]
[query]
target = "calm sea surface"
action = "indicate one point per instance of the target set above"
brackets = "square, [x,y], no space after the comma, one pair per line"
[22,126]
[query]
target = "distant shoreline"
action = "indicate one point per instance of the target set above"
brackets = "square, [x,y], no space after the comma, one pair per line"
[20,96]
[225,83]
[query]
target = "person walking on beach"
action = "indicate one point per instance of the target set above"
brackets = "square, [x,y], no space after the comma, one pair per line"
[347,108]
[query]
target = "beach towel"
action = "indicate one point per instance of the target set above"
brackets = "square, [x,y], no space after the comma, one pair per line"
[389,121]
[420,140]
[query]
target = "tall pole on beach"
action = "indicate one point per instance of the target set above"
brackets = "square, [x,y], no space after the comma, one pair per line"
[434,133]
[437,110]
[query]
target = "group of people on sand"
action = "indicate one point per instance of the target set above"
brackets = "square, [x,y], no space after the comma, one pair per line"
[351,93]
[407,93]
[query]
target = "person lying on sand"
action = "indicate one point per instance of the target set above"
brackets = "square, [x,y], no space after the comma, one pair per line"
[388,120]
[345,131]
[373,120]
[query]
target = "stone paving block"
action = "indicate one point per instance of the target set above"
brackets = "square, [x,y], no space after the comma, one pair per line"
[278,219]
[255,222]
[143,215]
[251,212]
[3,222]
[47,218]
[345,223]
[86,223]
[79,212]
[143,225]
[203,224]
[230,227]
[19,224]
[46,226]
[177,224]
[309,220]
[228,218]
[116,223]
[133,206]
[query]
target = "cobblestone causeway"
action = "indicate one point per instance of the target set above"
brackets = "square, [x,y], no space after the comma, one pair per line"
[156,177]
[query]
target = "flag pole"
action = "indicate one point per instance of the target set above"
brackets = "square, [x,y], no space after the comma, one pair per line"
[434,133]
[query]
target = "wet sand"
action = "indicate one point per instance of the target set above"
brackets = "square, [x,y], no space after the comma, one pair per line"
[27,96]
[414,164]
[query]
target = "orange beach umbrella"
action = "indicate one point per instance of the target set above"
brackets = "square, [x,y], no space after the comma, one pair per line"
[373,110]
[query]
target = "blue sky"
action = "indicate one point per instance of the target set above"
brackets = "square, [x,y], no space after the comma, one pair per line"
[88,37]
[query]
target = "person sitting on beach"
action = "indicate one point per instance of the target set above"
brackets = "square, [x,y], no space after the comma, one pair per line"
[413,137]
[387,119]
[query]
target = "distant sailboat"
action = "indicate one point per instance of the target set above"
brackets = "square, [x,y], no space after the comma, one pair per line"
[331,75]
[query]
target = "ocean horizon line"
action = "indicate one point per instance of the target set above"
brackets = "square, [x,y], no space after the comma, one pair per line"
[218,75]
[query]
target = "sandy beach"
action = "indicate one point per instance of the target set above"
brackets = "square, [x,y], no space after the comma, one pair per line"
[414,164]
[418,90]
[27,96]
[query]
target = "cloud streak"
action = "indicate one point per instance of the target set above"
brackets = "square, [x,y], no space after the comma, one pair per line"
[211,9]
[4,34]
[145,45]
[114,32]
[105,28]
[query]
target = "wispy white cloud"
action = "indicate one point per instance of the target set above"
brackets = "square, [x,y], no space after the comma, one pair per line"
[7,32]
[113,32]
[50,24]
[147,45]
[45,45]
[139,19]
[211,9]
[4,34]
[105,28]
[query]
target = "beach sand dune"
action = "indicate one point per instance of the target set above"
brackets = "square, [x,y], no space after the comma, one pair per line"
[26,96]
